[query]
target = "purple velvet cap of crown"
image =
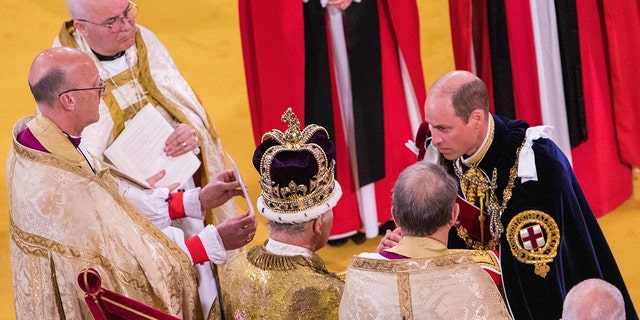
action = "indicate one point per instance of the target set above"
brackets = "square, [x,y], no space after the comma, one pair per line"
[297,165]
[297,185]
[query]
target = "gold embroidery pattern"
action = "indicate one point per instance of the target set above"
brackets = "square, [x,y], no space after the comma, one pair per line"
[482,257]
[265,260]
[538,256]
[103,178]
[41,247]
[417,265]
[404,296]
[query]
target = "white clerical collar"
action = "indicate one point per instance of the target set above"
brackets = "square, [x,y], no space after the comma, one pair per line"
[285,249]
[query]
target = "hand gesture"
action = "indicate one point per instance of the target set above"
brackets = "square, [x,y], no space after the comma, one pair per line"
[224,187]
[390,240]
[238,231]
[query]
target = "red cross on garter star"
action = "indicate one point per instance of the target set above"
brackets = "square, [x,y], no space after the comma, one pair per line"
[532,237]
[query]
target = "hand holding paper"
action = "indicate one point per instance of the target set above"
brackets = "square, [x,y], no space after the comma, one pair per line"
[224,187]
[139,151]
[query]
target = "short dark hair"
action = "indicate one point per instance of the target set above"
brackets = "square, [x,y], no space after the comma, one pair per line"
[423,199]
[470,96]
[45,91]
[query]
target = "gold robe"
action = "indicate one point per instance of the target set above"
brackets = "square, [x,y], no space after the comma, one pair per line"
[262,285]
[435,284]
[64,218]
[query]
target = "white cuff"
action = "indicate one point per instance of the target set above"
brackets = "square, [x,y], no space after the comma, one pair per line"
[527,159]
[191,202]
[213,245]
[151,202]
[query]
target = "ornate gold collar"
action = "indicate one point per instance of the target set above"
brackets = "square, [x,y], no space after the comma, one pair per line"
[477,156]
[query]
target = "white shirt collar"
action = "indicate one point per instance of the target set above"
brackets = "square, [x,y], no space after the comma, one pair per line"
[285,249]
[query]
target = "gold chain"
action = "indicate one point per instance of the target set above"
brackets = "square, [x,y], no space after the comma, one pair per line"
[495,211]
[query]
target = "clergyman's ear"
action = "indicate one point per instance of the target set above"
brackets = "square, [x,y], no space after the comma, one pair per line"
[454,214]
[67,101]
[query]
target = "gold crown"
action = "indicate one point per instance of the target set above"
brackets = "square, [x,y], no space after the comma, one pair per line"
[294,198]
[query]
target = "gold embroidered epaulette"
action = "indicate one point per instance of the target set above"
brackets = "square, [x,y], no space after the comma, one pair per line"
[534,238]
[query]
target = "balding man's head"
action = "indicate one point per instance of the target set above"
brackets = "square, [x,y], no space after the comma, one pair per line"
[107,26]
[423,199]
[457,110]
[466,91]
[593,299]
[67,88]
[52,72]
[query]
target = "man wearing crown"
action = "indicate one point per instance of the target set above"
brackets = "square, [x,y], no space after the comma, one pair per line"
[284,278]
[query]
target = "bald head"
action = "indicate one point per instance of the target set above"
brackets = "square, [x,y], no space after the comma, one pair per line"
[466,91]
[593,299]
[423,198]
[52,72]
[83,9]
[452,81]
[67,88]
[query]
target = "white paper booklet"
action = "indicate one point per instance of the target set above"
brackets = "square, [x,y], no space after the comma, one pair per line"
[138,151]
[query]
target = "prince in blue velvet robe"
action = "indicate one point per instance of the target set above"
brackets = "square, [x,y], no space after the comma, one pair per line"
[550,239]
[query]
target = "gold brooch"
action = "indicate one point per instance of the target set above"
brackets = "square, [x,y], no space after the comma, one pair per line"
[534,238]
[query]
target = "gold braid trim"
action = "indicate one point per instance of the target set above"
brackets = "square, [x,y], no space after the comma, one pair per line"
[482,257]
[404,296]
[38,246]
[265,260]
[417,265]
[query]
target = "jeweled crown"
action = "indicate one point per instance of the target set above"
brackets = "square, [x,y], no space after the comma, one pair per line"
[296,170]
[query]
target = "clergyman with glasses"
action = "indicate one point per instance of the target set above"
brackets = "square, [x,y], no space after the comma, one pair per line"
[139,72]
[66,213]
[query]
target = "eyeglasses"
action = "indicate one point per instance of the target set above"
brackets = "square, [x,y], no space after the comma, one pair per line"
[116,24]
[101,89]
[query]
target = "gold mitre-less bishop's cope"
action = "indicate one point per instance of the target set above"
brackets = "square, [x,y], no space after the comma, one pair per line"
[297,169]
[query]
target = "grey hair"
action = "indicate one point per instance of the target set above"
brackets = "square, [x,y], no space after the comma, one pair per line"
[76,9]
[288,228]
[423,199]
[593,299]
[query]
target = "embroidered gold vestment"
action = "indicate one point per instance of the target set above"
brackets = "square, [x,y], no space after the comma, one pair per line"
[64,218]
[437,285]
[262,285]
